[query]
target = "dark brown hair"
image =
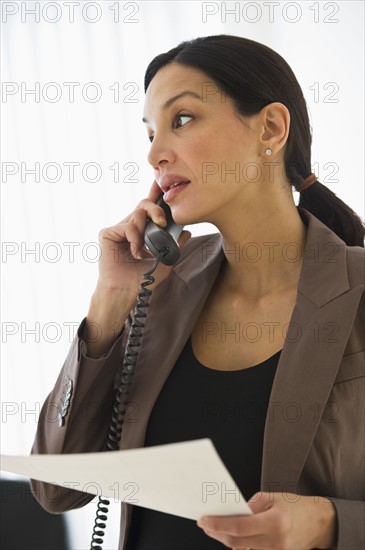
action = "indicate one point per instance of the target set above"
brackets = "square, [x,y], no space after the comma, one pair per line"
[253,75]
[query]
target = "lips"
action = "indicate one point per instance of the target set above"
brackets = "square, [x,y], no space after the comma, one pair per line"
[175,190]
[170,180]
[177,183]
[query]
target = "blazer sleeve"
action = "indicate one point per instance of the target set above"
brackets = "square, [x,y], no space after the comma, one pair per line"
[76,415]
[350,524]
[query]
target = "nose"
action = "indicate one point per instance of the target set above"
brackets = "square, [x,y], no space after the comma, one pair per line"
[160,152]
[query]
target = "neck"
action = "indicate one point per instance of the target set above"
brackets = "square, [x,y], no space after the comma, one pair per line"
[264,247]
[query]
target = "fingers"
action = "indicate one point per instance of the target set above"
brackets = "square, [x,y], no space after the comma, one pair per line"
[132,228]
[134,237]
[111,237]
[260,501]
[147,208]
[139,220]
[232,525]
[155,192]
[268,528]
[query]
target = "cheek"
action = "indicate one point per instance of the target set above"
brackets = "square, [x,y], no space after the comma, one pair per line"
[207,153]
[219,146]
[215,162]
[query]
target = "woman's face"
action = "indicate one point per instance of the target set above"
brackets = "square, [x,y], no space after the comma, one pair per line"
[201,139]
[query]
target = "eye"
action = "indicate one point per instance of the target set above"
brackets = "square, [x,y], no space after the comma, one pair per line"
[181,115]
[178,117]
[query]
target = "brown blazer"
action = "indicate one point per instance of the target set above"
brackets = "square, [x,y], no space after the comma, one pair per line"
[314,432]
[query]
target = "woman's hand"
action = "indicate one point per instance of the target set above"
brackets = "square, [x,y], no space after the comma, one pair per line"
[123,256]
[279,521]
[123,261]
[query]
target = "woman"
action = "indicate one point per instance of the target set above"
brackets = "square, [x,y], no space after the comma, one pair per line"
[255,337]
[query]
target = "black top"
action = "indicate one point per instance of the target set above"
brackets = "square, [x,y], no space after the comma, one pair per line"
[195,402]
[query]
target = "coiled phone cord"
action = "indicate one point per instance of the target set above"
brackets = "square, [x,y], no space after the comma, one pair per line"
[121,397]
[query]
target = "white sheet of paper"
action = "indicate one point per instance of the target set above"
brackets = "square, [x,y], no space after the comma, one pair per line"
[186,479]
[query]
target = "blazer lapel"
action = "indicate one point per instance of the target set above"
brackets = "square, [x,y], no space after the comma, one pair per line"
[315,341]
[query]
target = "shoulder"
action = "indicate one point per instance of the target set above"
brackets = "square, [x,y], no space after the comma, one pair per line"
[355,259]
[355,262]
[336,264]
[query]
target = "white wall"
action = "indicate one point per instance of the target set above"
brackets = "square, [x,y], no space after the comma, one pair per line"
[323,43]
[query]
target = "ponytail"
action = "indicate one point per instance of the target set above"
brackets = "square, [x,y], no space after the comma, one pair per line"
[333,212]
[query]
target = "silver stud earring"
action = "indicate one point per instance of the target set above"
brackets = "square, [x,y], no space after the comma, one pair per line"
[268,151]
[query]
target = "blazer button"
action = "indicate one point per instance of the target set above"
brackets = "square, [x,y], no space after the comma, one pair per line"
[66,403]
[60,420]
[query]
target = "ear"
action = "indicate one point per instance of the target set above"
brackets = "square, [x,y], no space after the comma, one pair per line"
[275,121]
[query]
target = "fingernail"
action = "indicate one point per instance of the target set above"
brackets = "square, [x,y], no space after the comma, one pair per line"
[202,522]
[161,220]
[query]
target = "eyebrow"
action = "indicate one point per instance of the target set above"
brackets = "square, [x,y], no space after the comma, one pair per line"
[170,101]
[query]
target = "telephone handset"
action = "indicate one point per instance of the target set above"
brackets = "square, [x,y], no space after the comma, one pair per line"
[165,238]
[162,242]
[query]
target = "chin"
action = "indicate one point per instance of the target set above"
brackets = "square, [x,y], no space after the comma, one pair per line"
[184,216]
